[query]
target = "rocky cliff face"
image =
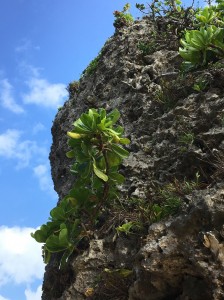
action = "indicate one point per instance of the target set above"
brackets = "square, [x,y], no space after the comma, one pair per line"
[177,135]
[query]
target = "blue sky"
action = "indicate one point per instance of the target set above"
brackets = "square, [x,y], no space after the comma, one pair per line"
[45,44]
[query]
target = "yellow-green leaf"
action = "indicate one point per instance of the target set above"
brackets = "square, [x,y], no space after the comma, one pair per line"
[75,135]
[99,173]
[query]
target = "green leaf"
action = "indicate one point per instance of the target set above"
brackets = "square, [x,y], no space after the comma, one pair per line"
[119,130]
[80,193]
[41,234]
[70,154]
[81,128]
[74,142]
[126,227]
[97,183]
[57,213]
[75,135]
[53,244]
[101,125]
[120,151]
[63,237]
[66,256]
[124,141]
[113,159]
[88,120]
[85,169]
[99,173]
[102,113]
[117,177]
[114,116]
[100,162]
[47,255]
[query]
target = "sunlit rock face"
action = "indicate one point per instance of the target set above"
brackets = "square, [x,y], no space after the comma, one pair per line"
[176,132]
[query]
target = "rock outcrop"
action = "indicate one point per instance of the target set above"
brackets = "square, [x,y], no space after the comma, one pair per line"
[176,132]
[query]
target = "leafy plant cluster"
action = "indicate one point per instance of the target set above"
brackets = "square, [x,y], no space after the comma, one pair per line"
[123,18]
[169,8]
[73,88]
[97,147]
[202,29]
[205,43]
[200,85]
[187,138]
[147,48]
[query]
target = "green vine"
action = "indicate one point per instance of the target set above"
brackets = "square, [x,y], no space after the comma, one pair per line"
[96,145]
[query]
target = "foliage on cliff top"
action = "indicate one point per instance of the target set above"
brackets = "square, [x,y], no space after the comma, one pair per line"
[201,29]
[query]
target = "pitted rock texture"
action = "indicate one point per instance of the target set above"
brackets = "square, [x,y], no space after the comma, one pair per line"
[175,132]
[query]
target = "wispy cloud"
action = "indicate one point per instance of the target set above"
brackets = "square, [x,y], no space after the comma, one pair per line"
[25,45]
[2,298]
[43,93]
[20,256]
[12,147]
[42,172]
[38,127]
[27,70]
[6,97]
[36,295]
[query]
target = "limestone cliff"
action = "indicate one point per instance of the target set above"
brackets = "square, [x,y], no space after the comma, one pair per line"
[176,132]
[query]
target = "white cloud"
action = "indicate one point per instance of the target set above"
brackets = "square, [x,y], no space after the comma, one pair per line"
[2,298]
[46,94]
[30,295]
[20,256]
[42,172]
[38,127]
[12,147]
[6,97]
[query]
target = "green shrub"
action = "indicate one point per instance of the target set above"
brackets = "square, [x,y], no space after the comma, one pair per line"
[97,149]
[73,88]
[147,48]
[205,43]
[123,18]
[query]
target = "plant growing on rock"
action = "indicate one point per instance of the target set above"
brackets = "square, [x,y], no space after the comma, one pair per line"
[161,8]
[97,149]
[168,14]
[73,88]
[92,66]
[147,48]
[201,30]
[205,43]
[123,18]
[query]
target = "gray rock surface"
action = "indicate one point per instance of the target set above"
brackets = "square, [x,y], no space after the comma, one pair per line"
[175,132]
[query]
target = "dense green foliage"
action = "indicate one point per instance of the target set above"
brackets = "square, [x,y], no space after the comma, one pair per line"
[205,43]
[201,29]
[97,149]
